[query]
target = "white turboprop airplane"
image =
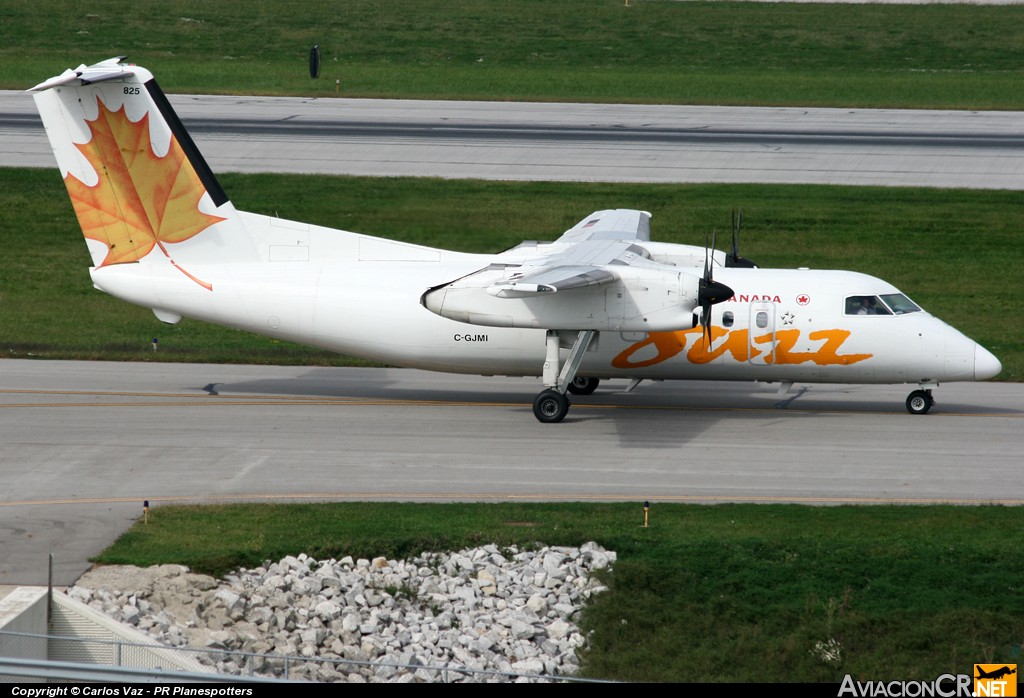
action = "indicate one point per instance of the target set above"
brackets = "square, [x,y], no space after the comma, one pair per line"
[601,301]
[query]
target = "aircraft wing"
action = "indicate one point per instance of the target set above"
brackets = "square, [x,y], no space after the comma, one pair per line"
[614,224]
[585,255]
[596,276]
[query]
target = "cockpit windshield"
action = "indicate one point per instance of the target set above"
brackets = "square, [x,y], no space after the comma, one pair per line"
[886,304]
[900,304]
[866,305]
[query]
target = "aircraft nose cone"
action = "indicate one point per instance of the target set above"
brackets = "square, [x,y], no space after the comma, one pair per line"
[985,364]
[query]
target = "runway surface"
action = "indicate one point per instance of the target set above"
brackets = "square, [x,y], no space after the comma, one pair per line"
[85,443]
[579,142]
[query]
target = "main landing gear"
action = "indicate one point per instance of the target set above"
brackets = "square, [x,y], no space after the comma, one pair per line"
[551,406]
[583,385]
[920,401]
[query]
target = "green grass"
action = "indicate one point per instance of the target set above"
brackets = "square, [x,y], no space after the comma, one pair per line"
[931,56]
[707,593]
[953,251]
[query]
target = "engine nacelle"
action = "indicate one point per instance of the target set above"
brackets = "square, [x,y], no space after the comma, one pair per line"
[683,256]
[638,300]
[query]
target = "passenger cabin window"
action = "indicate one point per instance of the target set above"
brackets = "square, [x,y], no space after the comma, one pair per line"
[761,319]
[866,305]
[727,318]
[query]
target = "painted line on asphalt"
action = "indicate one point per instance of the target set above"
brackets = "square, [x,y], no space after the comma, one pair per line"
[492,497]
[205,400]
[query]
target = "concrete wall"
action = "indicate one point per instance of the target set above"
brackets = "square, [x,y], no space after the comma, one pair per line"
[23,610]
[74,619]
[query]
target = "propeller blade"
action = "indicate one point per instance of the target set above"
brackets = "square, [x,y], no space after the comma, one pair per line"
[733,259]
[707,269]
[737,223]
[709,291]
[711,265]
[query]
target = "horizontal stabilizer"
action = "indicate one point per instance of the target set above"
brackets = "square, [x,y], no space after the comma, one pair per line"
[87,74]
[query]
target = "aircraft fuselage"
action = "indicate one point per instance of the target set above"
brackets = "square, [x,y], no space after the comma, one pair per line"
[783,324]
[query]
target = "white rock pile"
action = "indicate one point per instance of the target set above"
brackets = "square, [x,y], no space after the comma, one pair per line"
[485,609]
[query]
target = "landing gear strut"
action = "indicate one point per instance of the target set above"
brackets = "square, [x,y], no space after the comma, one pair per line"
[552,404]
[920,401]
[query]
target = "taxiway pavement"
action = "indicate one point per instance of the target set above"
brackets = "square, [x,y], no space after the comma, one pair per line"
[579,142]
[85,443]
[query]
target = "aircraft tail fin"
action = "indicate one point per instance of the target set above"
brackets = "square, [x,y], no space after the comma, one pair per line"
[138,183]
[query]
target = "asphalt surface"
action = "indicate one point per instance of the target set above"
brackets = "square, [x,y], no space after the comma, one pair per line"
[86,443]
[585,142]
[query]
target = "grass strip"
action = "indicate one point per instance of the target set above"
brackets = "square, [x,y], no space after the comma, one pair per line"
[763,593]
[660,51]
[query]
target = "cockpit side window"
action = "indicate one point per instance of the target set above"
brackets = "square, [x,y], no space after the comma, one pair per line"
[900,304]
[866,305]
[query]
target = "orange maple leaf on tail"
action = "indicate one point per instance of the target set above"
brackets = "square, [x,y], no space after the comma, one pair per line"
[142,200]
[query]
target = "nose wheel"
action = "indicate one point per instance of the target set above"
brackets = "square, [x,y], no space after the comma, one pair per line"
[920,401]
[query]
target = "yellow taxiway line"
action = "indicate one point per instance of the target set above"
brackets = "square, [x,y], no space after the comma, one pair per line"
[496,497]
[206,400]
